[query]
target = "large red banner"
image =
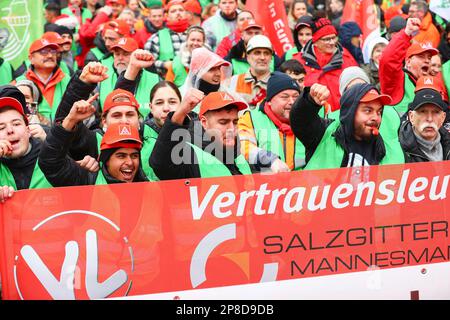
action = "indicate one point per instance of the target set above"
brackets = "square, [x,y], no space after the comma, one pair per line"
[135,239]
[272,15]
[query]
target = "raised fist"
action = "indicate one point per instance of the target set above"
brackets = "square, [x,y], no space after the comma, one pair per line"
[94,72]
[412,26]
[80,111]
[141,59]
[191,99]
[319,93]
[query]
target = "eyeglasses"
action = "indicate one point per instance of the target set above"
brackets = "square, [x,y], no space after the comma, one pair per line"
[329,39]
[45,52]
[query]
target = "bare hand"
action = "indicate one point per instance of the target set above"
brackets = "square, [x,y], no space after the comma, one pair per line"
[5,148]
[106,10]
[191,99]
[167,65]
[37,131]
[94,72]
[141,59]
[319,93]
[279,166]
[80,111]
[6,192]
[89,163]
[412,26]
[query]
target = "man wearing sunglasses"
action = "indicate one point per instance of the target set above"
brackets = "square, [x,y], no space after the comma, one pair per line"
[45,73]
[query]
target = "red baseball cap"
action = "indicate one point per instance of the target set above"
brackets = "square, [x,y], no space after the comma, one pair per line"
[193,6]
[173,3]
[218,100]
[418,48]
[41,44]
[112,100]
[250,24]
[373,95]
[122,2]
[15,104]
[117,25]
[54,37]
[126,43]
[121,136]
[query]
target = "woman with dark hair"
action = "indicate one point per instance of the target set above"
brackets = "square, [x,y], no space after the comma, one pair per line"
[298,8]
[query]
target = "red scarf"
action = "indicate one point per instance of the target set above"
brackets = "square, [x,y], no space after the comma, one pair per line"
[282,124]
[322,58]
[178,26]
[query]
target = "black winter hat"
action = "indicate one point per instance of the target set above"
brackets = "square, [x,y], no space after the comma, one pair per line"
[278,82]
[397,23]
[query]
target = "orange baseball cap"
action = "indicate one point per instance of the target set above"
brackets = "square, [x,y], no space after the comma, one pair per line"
[247,25]
[373,95]
[121,136]
[418,48]
[218,100]
[128,44]
[41,44]
[113,100]
[173,3]
[117,25]
[54,37]
[15,104]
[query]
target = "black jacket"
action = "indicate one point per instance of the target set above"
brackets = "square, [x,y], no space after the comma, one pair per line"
[162,160]
[62,171]
[22,168]
[309,127]
[411,148]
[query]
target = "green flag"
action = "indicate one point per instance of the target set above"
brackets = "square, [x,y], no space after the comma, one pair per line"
[21,22]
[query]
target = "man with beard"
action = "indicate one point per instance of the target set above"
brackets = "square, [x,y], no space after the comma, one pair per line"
[397,80]
[166,43]
[222,23]
[422,136]
[122,52]
[353,140]
[212,152]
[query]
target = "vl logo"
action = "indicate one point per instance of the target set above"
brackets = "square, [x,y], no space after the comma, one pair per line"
[17,18]
[42,265]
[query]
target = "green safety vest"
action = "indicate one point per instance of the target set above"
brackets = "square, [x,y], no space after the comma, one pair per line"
[38,179]
[101,180]
[220,30]
[97,53]
[329,154]
[446,75]
[149,141]
[142,94]
[264,128]
[408,96]
[44,107]
[166,50]
[290,53]
[179,71]
[5,73]
[240,66]
[211,167]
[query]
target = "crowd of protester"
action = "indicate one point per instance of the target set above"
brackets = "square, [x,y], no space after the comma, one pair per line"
[122,91]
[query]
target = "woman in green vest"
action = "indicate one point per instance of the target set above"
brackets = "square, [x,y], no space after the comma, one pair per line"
[178,71]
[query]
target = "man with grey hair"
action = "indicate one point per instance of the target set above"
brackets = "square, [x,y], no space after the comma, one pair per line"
[428,31]
[422,136]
